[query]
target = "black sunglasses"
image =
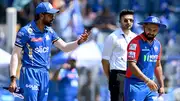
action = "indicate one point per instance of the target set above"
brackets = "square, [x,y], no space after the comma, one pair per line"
[131,20]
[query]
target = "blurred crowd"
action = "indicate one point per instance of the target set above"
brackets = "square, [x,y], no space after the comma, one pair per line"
[101,17]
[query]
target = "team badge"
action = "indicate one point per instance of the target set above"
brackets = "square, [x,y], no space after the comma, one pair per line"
[30,30]
[156,48]
[155,20]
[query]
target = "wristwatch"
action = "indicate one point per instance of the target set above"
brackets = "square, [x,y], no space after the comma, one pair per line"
[13,77]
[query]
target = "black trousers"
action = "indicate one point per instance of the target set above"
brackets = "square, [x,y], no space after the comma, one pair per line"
[116,85]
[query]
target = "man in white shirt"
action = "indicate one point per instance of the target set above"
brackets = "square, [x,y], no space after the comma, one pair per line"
[114,57]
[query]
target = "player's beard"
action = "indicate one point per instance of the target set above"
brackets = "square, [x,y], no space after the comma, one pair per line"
[49,23]
[149,36]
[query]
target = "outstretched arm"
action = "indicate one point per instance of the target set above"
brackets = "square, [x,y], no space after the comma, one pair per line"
[66,47]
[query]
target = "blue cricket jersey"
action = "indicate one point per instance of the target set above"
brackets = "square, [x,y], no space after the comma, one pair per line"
[68,84]
[36,45]
[144,54]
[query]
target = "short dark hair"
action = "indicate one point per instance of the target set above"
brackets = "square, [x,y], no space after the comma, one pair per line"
[125,12]
[36,17]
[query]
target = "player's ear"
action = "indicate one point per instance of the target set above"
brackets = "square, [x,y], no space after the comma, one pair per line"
[41,15]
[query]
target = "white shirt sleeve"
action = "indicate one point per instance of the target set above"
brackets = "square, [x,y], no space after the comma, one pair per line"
[108,48]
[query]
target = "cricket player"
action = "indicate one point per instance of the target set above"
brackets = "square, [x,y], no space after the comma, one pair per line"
[68,81]
[144,60]
[33,43]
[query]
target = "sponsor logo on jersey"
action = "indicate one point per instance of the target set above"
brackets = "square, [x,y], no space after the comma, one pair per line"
[132,46]
[47,92]
[131,54]
[36,39]
[42,49]
[150,58]
[145,49]
[33,87]
[71,75]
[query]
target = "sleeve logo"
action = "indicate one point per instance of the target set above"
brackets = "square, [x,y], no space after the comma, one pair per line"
[132,46]
[18,40]
[47,37]
[131,54]
[20,34]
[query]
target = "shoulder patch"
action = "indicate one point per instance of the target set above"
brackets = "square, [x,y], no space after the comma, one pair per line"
[20,34]
[132,46]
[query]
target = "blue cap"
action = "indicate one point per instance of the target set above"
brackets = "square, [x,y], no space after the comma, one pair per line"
[45,7]
[153,20]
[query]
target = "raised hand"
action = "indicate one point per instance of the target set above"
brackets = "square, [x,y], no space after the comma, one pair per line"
[84,36]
